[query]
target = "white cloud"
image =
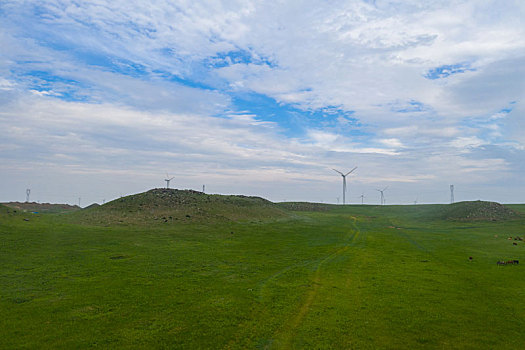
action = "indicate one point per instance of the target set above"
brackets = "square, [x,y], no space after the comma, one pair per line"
[155,76]
[464,143]
[392,143]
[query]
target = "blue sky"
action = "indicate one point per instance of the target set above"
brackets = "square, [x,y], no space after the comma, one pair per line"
[103,98]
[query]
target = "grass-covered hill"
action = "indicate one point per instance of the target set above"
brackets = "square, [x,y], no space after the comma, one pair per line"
[41,207]
[477,211]
[166,206]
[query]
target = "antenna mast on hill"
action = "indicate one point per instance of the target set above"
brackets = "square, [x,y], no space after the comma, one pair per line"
[28,192]
[451,194]
[344,181]
[168,179]
[382,195]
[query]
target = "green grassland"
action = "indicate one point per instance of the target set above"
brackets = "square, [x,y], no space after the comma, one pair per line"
[244,273]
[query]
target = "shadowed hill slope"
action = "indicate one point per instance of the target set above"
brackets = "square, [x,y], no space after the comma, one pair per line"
[170,205]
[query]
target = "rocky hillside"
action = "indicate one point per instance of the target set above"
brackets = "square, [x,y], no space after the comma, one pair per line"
[477,210]
[168,206]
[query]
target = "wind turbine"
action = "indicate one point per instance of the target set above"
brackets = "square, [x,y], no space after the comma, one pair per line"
[344,181]
[362,196]
[168,179]
[382,195]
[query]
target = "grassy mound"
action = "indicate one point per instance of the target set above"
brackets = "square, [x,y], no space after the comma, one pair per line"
[41,207]
[170,205]
[477,211]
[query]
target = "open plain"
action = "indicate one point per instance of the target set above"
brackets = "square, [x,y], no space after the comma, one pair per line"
[181,269]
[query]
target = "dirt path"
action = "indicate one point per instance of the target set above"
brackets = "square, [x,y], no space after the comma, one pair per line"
[287,333]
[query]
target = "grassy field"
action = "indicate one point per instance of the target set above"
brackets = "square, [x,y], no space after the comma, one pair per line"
[327,277]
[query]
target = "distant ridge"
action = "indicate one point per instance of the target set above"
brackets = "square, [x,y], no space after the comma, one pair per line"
[166,206]
[477,211]
[41,207]
[306,206]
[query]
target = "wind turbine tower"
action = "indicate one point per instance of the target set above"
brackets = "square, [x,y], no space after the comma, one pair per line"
[362,196]
[344,181]
[28,192]
[203,188]
[451,194]
[382,195]
[168,179]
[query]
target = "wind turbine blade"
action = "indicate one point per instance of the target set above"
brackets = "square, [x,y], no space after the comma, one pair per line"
[350,171]
[338,172]
[384,189]
[172,178]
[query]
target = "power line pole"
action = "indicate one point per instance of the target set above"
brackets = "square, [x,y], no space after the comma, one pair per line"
[451,194]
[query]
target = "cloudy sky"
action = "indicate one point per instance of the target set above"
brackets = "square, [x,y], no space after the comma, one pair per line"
[102,98]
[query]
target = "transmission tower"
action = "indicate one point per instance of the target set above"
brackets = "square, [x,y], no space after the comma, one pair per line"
[451,193]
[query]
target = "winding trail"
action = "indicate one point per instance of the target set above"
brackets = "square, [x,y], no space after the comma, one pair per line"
[286,334]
